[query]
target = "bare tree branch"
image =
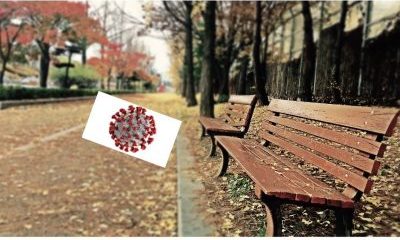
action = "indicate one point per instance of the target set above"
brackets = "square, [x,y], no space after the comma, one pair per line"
[172,13]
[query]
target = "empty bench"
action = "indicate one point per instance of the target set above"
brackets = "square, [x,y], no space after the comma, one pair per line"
[235,120]
[343,141]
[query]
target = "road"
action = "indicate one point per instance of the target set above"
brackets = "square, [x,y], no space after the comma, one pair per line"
[54,183]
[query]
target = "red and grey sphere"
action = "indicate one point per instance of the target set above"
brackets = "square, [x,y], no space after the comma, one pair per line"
[132,129]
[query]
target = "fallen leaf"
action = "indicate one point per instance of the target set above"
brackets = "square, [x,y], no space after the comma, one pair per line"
[306,222]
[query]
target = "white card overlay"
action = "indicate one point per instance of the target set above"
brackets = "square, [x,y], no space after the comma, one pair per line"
[97,129]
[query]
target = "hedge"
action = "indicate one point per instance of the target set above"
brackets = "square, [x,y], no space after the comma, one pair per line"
[19,93]
[80,75]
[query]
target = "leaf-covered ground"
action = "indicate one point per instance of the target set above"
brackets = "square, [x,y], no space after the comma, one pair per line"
[53,183]
[233,208]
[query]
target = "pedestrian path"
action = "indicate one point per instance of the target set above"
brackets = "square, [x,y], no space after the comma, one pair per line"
[190,220]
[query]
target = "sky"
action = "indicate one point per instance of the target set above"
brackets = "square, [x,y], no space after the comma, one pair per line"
[157,47]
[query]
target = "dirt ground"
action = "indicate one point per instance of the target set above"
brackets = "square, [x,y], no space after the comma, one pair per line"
[53,183]
[232,206]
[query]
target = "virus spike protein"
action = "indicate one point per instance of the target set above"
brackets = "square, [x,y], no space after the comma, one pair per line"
[132,129]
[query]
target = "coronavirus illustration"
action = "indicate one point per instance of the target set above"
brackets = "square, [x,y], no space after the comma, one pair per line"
[132,129]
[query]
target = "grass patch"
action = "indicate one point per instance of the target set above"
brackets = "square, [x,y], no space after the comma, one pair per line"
[262,229]
[238,186]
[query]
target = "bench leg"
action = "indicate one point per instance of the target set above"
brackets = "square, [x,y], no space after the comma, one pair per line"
[213,147]
[224,163]
[203,132]
[273,218]
[344,222]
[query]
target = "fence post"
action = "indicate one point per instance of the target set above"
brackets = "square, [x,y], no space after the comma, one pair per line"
[292,31]
[366,22]
[281,68]
[321,27]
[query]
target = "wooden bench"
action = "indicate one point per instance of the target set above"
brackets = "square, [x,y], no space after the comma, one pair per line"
[340,140]
[235,121]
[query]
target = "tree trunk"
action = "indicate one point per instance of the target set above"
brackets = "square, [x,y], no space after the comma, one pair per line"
[184,79]
[3,71]
[309,53]
[337,96]
[44,64]
[66,82]
[190,93]
[264,70]
[8,49]
[259,80]
[223,94]
[208,64]
[109,79]
[218,74]
[241,86]
[123,82]
[84,57]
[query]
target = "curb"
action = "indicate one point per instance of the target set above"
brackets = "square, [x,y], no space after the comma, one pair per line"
[190,219]
[16,103]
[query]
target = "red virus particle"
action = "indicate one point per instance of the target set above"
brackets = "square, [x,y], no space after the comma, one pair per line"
[132,129]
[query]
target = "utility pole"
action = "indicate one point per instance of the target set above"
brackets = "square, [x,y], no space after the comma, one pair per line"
[105,16]
[122,24]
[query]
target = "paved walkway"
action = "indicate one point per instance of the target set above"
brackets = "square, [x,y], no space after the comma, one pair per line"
[190,220]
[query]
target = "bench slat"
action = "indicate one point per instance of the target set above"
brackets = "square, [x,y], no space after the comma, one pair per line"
[315,191]
[372,119]
[235,115]
[236,118]
[361,183]
[350,191]
[238,108]
[279,178]
[358,161]
[227,118]
[359,143]
[242,99]
[234,121]
[290,190]
[218,125]
[331,195]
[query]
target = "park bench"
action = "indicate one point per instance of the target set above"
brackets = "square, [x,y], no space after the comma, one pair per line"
[235,121]
[342,141]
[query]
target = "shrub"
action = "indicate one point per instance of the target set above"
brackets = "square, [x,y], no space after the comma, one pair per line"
[18,93]
[84,76]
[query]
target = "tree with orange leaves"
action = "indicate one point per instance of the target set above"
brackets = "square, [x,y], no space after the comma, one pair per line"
[50,23]
[104,65]
[121,64]
[11,33]
[131,63]
[86,32]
